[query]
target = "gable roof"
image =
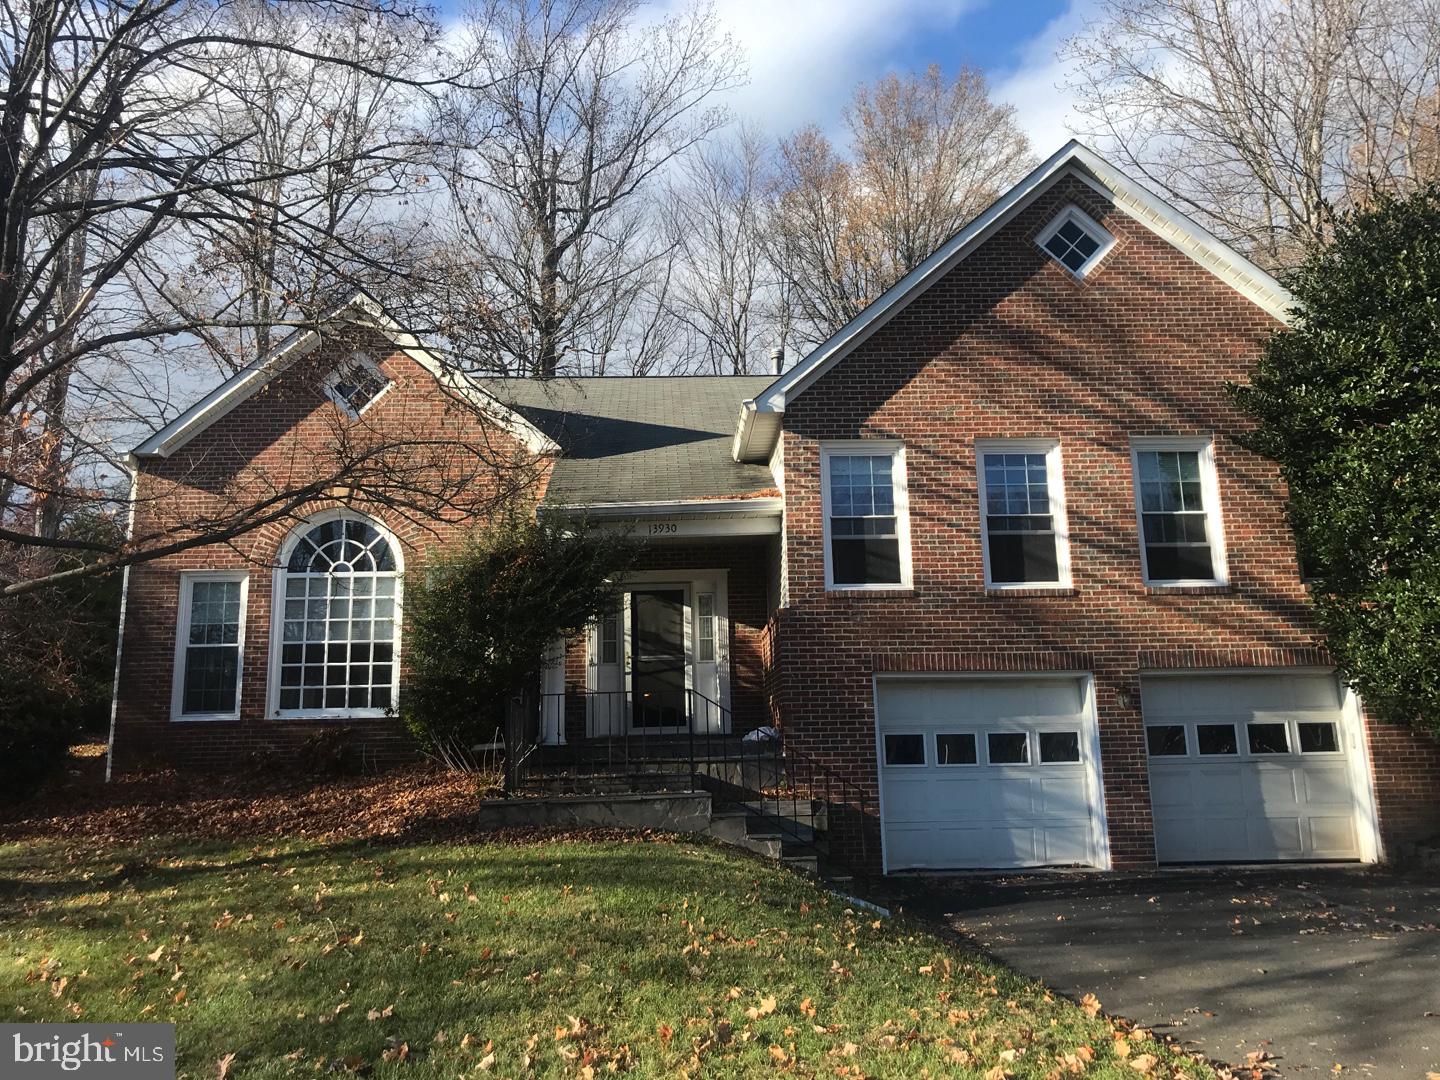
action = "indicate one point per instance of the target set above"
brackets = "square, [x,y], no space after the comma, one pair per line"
[759,420]
[360,309]
[644,439]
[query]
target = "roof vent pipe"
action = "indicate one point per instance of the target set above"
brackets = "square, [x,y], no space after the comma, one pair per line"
[777,359]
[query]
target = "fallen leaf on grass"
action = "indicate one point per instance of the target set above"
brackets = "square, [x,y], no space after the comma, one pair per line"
[1091,1004]
[1144,1063]
[222,1067]
[779,1054]
[765,1008]
[486,1063]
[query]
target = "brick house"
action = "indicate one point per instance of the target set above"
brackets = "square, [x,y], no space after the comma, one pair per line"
[991,554]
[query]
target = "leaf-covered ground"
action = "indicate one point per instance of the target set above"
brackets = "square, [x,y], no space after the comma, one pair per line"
[564,959]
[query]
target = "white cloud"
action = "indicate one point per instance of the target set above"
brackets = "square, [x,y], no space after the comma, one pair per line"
[806,56]
[1044,108]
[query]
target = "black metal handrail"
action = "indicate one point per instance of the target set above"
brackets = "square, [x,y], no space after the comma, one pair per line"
[696,748]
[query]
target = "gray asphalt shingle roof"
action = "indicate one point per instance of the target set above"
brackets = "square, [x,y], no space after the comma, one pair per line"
[640,439]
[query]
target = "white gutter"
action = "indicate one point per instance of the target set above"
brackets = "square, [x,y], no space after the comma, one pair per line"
[766,506]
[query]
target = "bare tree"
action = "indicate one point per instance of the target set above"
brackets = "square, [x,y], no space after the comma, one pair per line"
[726,294]
[926,155]
[107,161]
[1263,118]
[330,144]
[555,259]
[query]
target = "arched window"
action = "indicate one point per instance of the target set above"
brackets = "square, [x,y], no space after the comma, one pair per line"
[339,628]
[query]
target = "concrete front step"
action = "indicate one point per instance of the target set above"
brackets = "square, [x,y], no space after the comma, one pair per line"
[789,839]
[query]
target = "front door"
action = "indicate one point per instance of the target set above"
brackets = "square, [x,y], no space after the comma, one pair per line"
[657,671]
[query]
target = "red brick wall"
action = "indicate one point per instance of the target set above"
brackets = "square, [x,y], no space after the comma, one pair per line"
[747,563]
[286,431]
[1009,345]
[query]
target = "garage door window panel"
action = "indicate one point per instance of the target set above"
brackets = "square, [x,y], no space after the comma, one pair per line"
[1022,514]
[905,749]
[956,748]
[1216,740]
[1267,738]
[1059,747]
[1318,738]
[1007,748]
[1177,502]
[867,536]
[1166,740]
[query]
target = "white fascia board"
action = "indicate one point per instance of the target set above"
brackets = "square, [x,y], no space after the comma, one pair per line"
[250,379]
[1074,158]
[767,506]
[225,397]
[510,421]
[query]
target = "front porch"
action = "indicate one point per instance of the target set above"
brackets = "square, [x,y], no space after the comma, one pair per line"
[668,694]
[686,649]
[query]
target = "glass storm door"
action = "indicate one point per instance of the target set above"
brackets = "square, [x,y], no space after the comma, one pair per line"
[657,672]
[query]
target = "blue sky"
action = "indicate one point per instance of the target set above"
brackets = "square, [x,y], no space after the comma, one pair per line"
[806,56]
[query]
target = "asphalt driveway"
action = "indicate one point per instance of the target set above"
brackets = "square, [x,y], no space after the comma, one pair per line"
[1315,967]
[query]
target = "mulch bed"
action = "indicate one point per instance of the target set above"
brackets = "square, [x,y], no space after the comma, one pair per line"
[410,803]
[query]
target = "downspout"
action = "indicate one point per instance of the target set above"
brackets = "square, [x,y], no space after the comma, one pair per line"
[120,633]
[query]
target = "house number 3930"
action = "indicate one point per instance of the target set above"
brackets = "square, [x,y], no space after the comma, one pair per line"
[659,527]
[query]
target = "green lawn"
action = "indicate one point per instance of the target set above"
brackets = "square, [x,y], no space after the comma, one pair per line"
[553,959]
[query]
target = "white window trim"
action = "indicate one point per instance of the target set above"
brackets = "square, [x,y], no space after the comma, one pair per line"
[361,356]
[1090,225]
[1209,490]
[975,741]
[1079,746]
[1187,729]
[277,623]
[1055,481]
[919,733]
[188,578]
[1242,746]
[1031,748]
[902,508]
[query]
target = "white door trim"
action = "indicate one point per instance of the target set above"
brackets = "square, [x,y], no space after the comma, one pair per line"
[1095,780]
[1362,776]
[679,579]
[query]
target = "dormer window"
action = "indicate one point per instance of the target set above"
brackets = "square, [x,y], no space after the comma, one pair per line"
[355,383]
[1076,241]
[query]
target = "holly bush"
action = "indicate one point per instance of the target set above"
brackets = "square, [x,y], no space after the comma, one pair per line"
[1347,401]
[479,619]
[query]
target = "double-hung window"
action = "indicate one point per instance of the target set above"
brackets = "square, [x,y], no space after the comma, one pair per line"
[1177,500]
[867,535]
[1022,514]
[209,640]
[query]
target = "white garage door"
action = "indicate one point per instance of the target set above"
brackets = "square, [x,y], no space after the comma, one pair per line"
[978,773]
[1250,767]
